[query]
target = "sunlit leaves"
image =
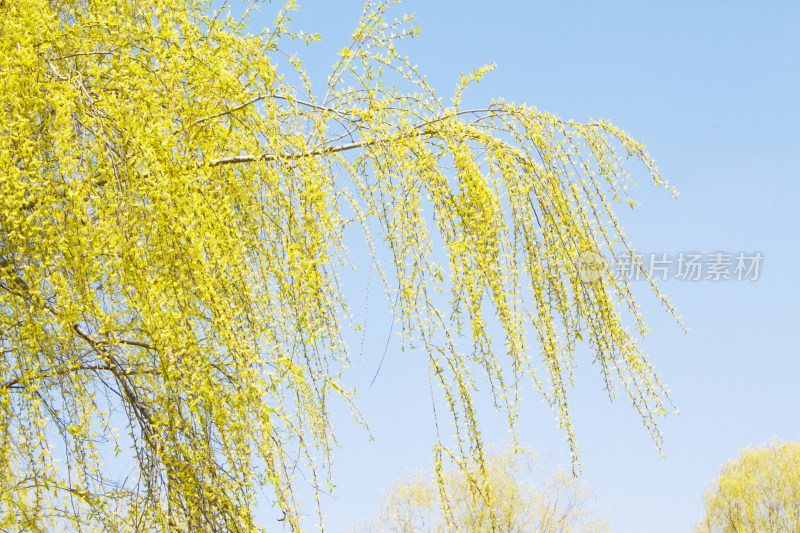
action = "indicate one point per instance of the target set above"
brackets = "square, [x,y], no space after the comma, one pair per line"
[173,221]
[758,492]
[514,501]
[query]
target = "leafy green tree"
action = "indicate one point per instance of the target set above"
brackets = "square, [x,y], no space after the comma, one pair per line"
[758,493]
[173,221]
[513,504]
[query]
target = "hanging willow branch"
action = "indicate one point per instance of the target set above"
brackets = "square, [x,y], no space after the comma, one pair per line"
[172,232]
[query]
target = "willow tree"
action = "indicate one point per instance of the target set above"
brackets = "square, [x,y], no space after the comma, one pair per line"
[516,504]
[757,493]
[173,220]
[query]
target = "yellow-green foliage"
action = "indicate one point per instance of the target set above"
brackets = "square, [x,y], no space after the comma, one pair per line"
[512,502]
[758,493]
[172,231]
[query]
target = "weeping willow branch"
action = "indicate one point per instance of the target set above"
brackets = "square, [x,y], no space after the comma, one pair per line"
[170,203]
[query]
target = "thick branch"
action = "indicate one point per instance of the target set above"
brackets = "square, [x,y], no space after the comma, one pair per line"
[420,129]
[5,265]
[16,382]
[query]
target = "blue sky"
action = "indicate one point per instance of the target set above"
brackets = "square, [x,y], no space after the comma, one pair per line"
[711,88]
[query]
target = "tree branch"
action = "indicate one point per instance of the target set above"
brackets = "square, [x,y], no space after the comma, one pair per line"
[423,129]
[64,371]
[5,265]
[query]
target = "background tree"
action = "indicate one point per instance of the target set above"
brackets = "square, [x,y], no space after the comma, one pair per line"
[173,215]
[759,492]
[558,505]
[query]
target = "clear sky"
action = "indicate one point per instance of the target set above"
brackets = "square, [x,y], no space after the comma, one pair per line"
[712,89]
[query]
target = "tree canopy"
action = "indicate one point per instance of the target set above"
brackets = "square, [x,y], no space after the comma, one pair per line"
[515,503]
[173,222]
[757,493]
